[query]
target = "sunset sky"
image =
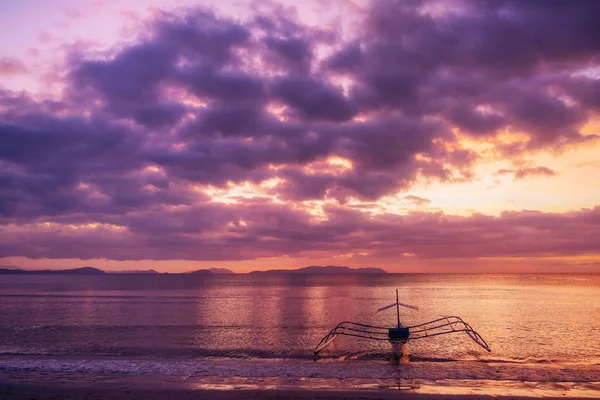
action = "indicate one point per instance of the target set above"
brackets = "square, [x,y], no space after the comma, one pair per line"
[414,136]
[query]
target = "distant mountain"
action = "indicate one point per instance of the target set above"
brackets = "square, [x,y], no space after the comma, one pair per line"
[199,272]
[135,271]
[210,271]
[221,271]
[96,271]
[74,271]
[329,269]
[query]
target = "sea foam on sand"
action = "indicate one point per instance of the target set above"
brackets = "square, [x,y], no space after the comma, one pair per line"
[432,378]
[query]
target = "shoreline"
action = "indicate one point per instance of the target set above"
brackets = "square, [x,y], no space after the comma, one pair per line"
[50,393]
[30,385]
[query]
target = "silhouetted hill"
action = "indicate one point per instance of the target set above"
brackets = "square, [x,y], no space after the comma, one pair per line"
[96,271]
[329,269]
[135,272]
[199,272]
[75,271]
[221,271]
[211,271]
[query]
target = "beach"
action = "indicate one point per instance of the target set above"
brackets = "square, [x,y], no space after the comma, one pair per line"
[34,385]
[226,379]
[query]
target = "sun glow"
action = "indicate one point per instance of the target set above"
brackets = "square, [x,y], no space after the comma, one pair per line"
[154,169]
[236,193]
[330,166]
[278,111]
[56,226]
[183,96]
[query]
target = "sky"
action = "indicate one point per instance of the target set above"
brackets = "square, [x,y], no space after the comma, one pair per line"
[414,136]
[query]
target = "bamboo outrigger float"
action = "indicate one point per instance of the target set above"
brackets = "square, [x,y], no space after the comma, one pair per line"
[400,335]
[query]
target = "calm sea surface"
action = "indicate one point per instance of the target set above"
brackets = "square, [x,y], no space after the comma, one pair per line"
[180,320]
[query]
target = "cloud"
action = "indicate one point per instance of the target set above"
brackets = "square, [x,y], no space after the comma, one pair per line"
[417,201]
[314,99]
[12,66]
[213,231]
[482,67]
[123,162]
[522,173]
[294,53]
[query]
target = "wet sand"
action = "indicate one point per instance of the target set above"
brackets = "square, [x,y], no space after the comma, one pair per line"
[44,392]
[78,392]
[54,386]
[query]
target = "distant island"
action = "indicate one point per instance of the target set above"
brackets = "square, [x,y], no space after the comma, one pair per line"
[75,271]
[313,269]
[211,271]
[135,272]
[96,271]
[329,269]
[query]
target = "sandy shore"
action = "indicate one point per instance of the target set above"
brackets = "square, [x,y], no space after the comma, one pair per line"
[98,392]
[55,386]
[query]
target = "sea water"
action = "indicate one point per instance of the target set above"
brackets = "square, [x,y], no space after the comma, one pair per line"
[543,328]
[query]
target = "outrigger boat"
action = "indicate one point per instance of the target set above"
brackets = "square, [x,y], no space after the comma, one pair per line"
[400,335]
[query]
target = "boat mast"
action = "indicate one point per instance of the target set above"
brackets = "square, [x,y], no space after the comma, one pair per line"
[398,308]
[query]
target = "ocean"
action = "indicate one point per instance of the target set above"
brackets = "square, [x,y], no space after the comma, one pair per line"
[541,328]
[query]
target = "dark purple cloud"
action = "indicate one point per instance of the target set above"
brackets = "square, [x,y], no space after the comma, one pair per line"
[507,57]
[259,229]
[313,99]
[202,100]
[294,54]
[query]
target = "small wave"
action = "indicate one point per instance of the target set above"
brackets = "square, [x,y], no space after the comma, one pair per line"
[186,353]
[527,360]
[413,358]
[299,369]
[17,351]
[487,360]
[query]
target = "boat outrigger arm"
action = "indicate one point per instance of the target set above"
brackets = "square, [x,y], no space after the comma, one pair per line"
[401,334]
